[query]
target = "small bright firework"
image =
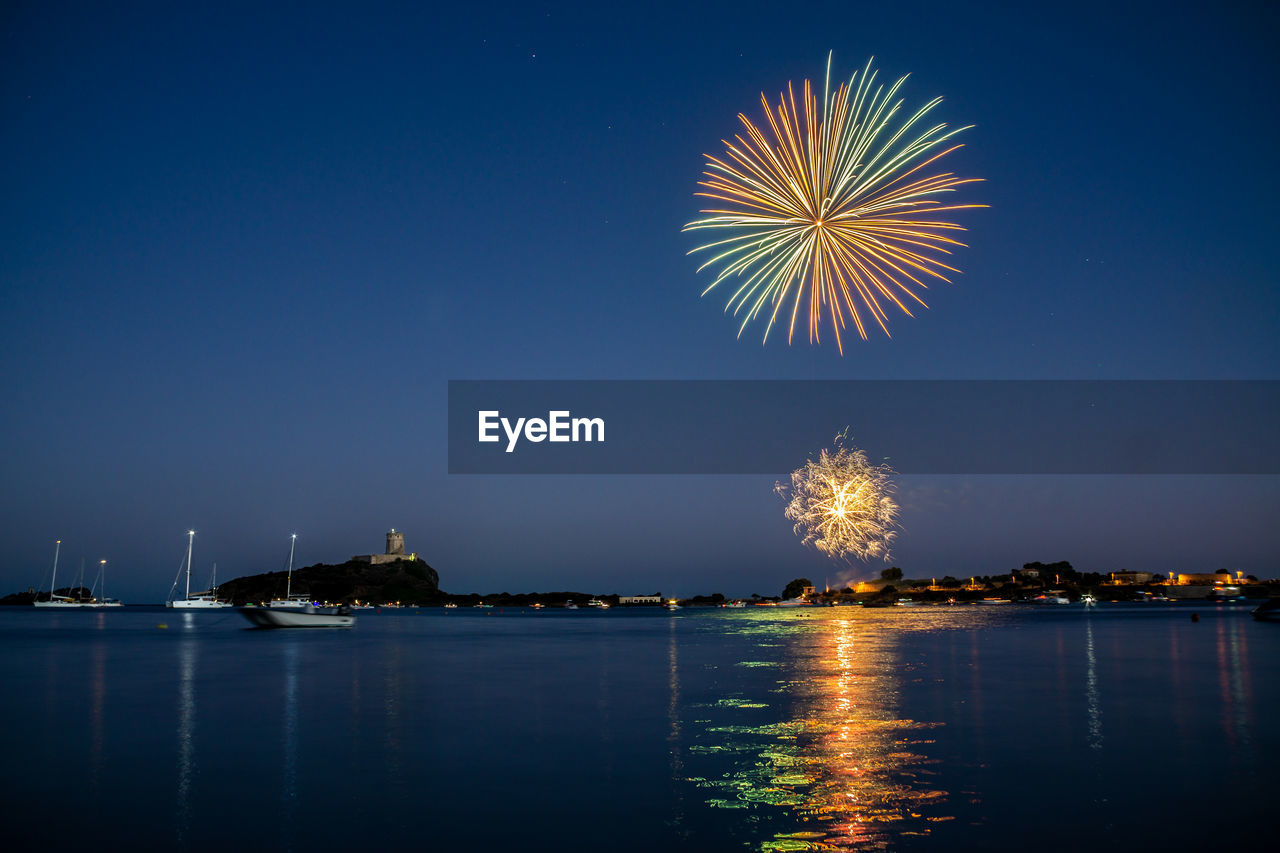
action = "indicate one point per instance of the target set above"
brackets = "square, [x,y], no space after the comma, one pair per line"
[842,504]
[830,209]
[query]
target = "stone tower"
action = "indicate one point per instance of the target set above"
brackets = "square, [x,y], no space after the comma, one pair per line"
[395,542]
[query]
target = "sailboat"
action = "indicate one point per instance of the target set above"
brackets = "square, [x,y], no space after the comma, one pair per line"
[104,601]
[56,600]
[290,601]
[204,600]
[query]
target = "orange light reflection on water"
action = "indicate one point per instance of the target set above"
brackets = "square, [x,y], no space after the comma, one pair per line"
[842,769]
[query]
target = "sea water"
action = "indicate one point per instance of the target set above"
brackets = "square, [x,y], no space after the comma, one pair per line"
[924,728]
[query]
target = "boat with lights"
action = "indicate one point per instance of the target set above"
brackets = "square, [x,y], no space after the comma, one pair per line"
[55,600]
[203,600]
[291,601]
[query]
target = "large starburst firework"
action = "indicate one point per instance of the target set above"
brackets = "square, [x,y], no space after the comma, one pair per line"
[842,504]
[829,209]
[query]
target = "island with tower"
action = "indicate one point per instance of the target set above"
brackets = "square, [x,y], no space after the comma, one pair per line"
[394,552]
[392,577]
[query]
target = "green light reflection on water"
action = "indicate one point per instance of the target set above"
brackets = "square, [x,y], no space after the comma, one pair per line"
[838,769]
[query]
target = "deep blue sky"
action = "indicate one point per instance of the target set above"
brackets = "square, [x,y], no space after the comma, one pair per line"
[243,250]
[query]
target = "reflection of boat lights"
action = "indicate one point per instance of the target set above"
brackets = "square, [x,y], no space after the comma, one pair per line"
[98,695]
[1091,688]
[289,741]
[187,659]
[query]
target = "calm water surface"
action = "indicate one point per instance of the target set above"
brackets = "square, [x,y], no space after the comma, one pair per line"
[824,729]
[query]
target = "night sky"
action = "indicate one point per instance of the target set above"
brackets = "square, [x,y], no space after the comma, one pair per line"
[242,251]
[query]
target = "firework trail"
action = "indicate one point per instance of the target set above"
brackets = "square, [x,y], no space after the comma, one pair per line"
[829,209]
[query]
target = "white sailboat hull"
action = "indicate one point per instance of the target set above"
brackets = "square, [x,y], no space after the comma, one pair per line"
[266,617]
[197,603]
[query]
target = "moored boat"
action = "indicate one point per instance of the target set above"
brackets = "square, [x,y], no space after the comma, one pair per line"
[1225,593]
[291,600]
[1268,611]
[94,601]
[308,617]
[56,600]
[203,600]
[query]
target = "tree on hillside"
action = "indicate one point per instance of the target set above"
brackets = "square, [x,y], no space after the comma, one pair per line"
[893,573]
[1059,571]
[796,587]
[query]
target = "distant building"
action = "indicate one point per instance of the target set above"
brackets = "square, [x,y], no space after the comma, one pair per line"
[395,551]
[656,598]
[1216,578]
[1201,584]
[1122,578]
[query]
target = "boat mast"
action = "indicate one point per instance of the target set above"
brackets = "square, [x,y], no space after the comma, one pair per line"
[53,582]
[191,539]
[102,570]
[288,584]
